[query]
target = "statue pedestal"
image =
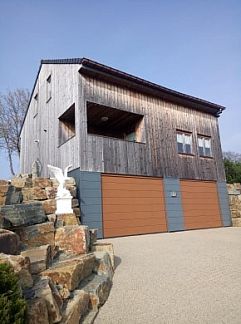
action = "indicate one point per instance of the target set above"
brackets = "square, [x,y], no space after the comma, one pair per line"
[64,205]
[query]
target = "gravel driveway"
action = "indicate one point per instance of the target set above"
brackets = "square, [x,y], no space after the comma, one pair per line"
[185,277]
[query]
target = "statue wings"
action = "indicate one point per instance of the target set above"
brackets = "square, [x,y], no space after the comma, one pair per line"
[59,174]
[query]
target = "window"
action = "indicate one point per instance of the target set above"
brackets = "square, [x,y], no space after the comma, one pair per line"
[115,123]
[35,103]
[204,146]
[48,89]
[67,125]
[184,142]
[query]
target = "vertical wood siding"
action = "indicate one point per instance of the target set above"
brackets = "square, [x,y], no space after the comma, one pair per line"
[157,157]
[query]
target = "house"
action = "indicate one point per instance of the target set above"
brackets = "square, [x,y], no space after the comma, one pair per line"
[146,158]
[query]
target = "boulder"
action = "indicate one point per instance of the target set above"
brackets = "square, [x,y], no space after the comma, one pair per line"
[21,267]
[37,235]
[71,272]
[75,203]
[13,196]
[9,242]
[3,192]
[22,181]
[45,289]
[76,307]
[21,215]
[40,258]
[49,206]
[72,239]
[105,247]
[103,264]
[42,182]
[37,312]
[34,193]
[93,235]
[52,218]
[51,192]
[98,288]
[77,212]
[68,219]
[236,222]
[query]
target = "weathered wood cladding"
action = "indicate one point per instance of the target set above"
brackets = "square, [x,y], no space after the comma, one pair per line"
[44,127]
[158,156]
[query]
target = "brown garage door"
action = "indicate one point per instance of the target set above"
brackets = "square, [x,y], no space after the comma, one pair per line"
[200,204]
[132,205]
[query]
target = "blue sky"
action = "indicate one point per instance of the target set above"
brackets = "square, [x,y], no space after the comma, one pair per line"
[190,46]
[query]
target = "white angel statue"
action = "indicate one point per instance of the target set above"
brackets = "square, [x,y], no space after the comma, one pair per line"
[61,177]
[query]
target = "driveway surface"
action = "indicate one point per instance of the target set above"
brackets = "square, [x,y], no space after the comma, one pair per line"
[185,277]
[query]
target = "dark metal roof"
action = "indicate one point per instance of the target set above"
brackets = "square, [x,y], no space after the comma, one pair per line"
[97,70]
[92,67]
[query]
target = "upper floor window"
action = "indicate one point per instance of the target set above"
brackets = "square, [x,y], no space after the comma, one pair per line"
[204,146]
[184,142]
[35,103]
[48,88]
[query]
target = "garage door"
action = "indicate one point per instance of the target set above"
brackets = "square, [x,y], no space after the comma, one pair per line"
[132,205]
[200,204]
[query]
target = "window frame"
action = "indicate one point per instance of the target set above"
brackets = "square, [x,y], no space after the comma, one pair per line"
[49,88]
[204,138]
[65,130]
[184,143]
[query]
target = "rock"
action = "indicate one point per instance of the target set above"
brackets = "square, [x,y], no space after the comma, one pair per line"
[37,235]
[37,312]
[3,192]
[105,247]
[4,182]
[75,203]
[98,288]
[72,239]
[52,218]
[42,182]
[2,200]
[69,273]
[13,196]
[45,289]
[68,219]
[49,206]
[22,181]
[21,215]
[93,235]
[77,212]
[51,192]
[40,258]
[34,193]
[21,267]
[76,307]
[236,222]
[9,242]
[103,264]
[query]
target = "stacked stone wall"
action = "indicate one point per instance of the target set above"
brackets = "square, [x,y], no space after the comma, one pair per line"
[234,191]
[64,273]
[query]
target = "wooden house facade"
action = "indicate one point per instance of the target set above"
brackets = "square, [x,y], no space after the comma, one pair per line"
[146,158]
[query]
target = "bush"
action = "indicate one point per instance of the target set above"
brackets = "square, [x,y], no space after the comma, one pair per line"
[233,171]
[12,305]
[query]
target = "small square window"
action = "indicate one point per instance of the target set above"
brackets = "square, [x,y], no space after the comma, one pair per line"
[204,146]
[184,142]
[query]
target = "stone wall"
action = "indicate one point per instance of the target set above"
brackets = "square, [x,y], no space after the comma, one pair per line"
[64,273]
[234,191]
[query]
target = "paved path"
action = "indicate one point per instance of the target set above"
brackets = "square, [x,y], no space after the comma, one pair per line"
[186,277]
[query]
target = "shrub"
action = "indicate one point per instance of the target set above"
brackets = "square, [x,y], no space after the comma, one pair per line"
[12,305]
